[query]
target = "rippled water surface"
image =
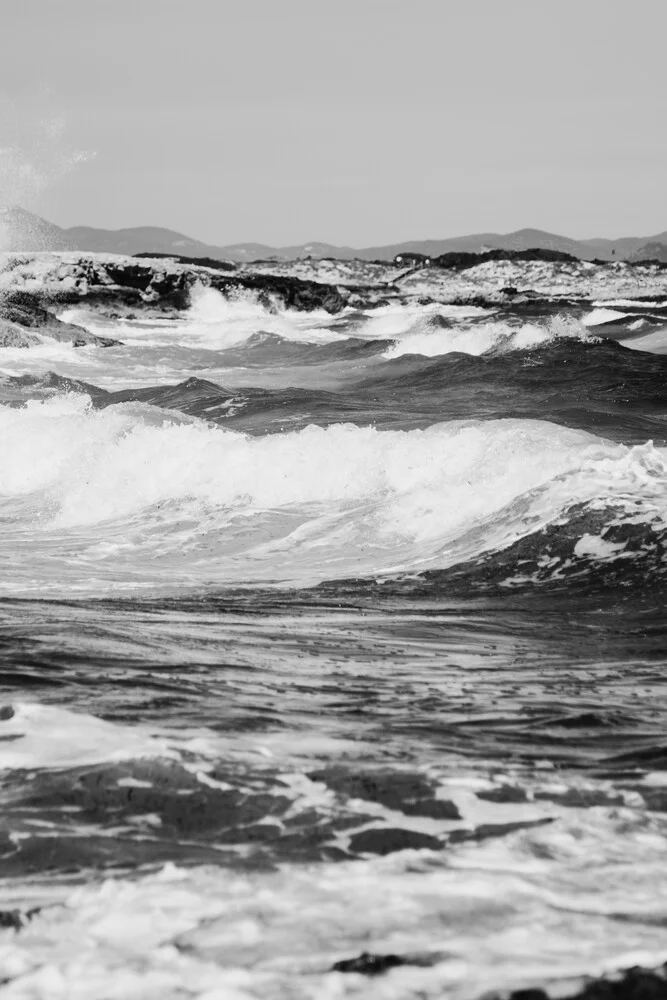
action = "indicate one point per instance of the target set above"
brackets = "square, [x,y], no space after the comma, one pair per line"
[330,635]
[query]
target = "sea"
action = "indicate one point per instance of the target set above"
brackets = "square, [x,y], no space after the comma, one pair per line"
[333,651]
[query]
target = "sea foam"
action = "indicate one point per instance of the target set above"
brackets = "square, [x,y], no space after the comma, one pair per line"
[429,339]
[103,490]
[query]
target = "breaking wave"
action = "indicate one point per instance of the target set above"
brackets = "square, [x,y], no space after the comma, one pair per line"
[128,496]
[214,322]
[434,336]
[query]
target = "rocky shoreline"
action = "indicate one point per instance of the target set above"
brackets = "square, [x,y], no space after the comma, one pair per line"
[34,287]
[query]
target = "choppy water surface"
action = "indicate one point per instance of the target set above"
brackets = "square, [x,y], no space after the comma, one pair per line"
[323,636]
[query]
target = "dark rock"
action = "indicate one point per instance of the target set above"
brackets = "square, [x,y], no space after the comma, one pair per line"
[25,309]
[55,382]
[215,265]
[368,965]
[130,276]
[292,293]
[409,258]
[82,337]
[11,919]
[633,984]
[462,260]
[139,286]
[387,840]
[6,712]
[121,284]
[529,995]
[172,290]
[22,311]
[15,919]
[661,265]
[13,335]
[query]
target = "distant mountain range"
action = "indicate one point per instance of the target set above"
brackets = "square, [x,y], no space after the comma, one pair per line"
[22,230]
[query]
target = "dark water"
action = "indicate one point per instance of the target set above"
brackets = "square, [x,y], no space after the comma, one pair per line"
[322,636]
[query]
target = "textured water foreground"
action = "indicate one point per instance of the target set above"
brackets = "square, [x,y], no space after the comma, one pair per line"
[332,629]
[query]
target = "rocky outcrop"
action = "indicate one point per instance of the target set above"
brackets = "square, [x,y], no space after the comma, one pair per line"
[631,984]
[290,293]
[214,264]
[49,383]
[341,273]
[24,322]
[123,283]
[16,919]
[13,335]
[368,964]
[463,260]
[163,287]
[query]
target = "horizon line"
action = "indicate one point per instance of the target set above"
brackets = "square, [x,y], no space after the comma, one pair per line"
[421,239]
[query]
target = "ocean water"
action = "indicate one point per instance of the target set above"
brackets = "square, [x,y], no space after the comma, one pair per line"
[329,635]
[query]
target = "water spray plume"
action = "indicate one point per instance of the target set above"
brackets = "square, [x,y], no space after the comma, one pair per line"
[34,155]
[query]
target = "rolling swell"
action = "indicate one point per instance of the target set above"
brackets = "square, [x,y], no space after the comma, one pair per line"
[558,511]
[281,588]
[598,386]
[601,549]
[265,348]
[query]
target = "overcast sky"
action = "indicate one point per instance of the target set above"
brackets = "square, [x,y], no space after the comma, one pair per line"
[356,122]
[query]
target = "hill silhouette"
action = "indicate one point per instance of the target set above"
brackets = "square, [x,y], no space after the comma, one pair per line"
[23,230]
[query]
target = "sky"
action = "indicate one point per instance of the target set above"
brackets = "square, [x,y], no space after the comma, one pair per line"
[355,122]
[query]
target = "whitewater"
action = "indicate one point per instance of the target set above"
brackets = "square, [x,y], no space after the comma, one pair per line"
[331,627]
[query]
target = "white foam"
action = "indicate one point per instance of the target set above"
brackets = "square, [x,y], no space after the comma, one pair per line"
[630,303]
[654,341]
[597,547]
[599,317]
[391,321]
[130,495]
[40,357]
[213,322]
[478,339]
[39,736]
[213,933]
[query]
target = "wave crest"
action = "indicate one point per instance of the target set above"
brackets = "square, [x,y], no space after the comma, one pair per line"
[125,495]
[431,337]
